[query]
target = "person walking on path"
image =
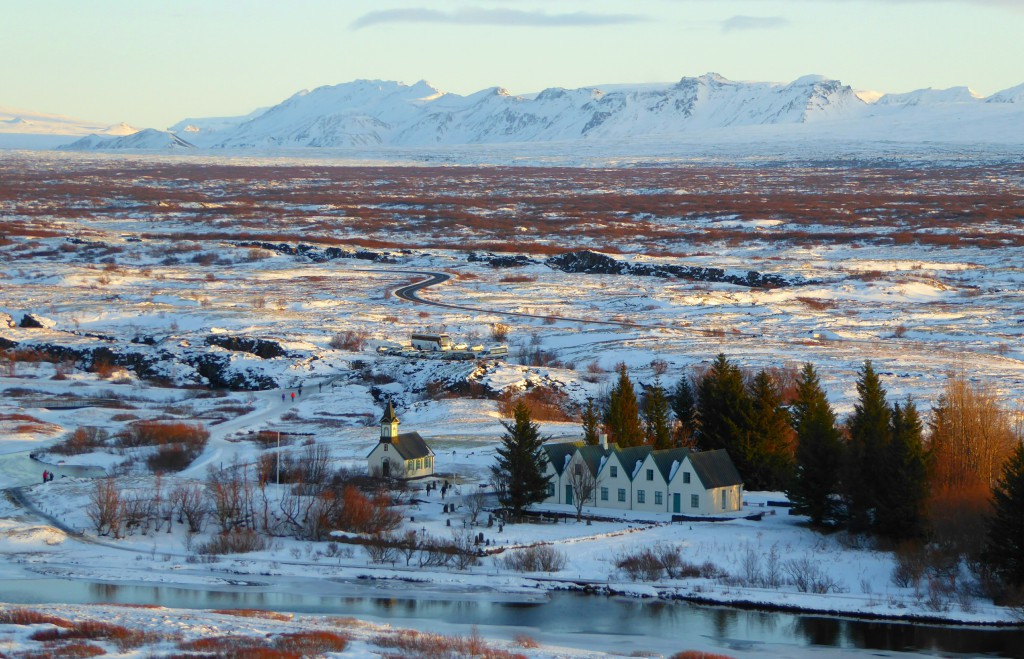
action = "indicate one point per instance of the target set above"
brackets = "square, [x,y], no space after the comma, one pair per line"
[46,476]
[282,396]
[293,396]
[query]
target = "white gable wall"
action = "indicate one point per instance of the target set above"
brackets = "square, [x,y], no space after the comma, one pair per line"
[613,484]
[651,484]
[707,502]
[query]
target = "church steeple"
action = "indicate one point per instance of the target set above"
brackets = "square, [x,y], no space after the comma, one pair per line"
[389,424]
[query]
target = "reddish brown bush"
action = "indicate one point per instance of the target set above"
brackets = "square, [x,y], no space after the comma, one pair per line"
[31,617]
[545,404]
[177,444]
[362,514]
[82,440]
[123,637]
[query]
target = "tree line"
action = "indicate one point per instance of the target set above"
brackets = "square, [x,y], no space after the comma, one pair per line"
[954,482]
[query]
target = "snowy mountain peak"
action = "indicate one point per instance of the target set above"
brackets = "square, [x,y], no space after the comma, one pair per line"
[932,96]
[148,139]
[1011,95]
[809,80]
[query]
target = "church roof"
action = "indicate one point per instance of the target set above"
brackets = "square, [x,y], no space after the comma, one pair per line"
[389,414]
[411,446]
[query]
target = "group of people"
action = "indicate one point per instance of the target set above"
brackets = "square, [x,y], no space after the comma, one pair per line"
[47,476]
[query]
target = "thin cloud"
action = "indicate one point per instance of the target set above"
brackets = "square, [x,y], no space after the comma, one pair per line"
[501,17]
[737,23]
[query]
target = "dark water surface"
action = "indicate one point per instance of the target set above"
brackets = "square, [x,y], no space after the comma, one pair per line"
[561,616]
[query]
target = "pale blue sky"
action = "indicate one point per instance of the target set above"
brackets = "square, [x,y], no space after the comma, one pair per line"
[153,62]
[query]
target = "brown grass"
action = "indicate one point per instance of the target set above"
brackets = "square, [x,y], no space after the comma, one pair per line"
[286,646]
[123,637]
[73,650]
[256,613]
[408,644]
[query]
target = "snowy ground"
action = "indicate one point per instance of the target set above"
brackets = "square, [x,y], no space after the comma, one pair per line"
[958,308]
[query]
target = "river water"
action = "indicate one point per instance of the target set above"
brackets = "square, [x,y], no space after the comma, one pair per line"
[18,469]
[619,624]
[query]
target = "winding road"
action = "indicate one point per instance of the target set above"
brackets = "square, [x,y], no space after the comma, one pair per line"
[410,293]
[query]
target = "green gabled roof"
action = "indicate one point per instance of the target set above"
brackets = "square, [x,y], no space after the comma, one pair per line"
[556,454]
[592,454]
[666,458]
[630,456]
[715,469]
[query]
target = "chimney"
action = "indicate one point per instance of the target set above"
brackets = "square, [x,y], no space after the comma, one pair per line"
[603,439]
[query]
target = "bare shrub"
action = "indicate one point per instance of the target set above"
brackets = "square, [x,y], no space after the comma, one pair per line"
[525,641]
[382,549]
[83,440]
[545,404]
[594,372]
[910,565]
[809,577]
[350,340]
[464,550]
[238,541]
[105,508]
[536,558]
[177,444]
[671,559]
[474,503]
[750,563]
[189,501]
[641,565]
[499,332]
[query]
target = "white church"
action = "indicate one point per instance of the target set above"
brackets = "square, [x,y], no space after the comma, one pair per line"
[405,456]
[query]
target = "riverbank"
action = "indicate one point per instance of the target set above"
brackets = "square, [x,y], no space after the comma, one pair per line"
[166,555]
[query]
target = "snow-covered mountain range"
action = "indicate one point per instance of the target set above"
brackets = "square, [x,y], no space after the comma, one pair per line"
[28,129]
[709,108]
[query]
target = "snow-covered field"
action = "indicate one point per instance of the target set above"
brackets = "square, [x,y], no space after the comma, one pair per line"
[121,274]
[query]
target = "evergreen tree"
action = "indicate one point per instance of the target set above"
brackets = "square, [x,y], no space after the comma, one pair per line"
[1004,549]
[724,410]
[901,502]
[684,406]
[591,423]
[656,416]
[622,416]
[770,442]
[869,428]
[518,474]
[819,452]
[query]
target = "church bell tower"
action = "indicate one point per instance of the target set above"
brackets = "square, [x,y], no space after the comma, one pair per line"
[388,425]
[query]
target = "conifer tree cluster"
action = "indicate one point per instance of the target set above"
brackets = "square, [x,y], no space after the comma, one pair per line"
[877,480]
[873,473]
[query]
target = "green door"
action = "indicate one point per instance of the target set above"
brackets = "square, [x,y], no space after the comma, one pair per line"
[675,502]
[568,494]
